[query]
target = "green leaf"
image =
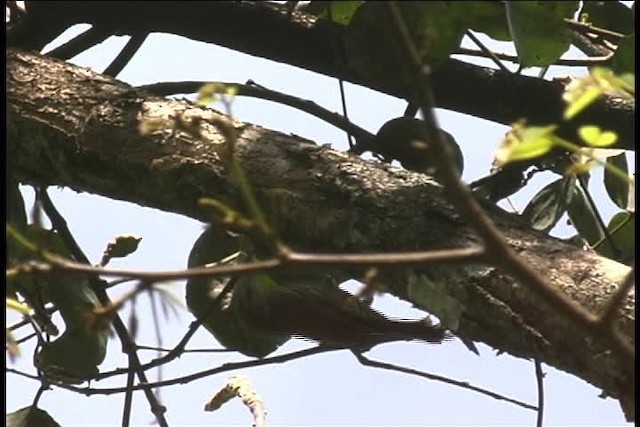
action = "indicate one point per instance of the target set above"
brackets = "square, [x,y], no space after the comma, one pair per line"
[582,216]
[30,417]
[618,189]
[523,143]
[610,15]
[488,17]
[373,49]
[539,31]
[547,207]
[341,11]
[622,231]
[74,357]
[595,137]
[624,59]
[80,350]
[579,100]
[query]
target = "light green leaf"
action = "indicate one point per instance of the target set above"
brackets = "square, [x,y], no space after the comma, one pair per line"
[523,143]
[595,137]
[579,98]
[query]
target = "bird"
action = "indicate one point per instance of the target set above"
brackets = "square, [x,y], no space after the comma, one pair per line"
[310,306]
[262,311]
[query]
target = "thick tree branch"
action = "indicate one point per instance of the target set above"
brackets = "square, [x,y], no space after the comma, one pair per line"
[263,29]
[86,137]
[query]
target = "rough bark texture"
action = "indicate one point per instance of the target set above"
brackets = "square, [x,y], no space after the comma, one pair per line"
[69,126]
[262,29]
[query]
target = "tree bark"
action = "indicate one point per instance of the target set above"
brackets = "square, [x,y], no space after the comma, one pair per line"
[72,127]
[319,46]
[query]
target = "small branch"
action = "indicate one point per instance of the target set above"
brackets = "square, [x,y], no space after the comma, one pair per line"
[41,390]
[589,28]
[253,90]
[497,250]
[388,366]
[540,387]
[128,347]
[125,55]
[391,259]
[487,51]
[79,44]
[570,62]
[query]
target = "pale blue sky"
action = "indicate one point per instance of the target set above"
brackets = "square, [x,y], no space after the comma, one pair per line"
[331,389]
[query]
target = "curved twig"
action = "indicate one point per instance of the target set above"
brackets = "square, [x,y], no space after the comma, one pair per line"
[391,367]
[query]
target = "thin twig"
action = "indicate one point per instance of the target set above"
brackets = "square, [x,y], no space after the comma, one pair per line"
[128,346]
[589,28]
[488,52]
[391,367]
[128,397]
[189,350]
[339,63]
[41,390]
[570,62]
[497,250]
[89,391]
[179,349]
[603,227]
[125,55]
[392,259]
[540,387]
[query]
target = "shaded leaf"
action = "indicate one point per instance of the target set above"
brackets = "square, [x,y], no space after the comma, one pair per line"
[80,350]
[74,357]
[539,31]
[582,216]
[610,15]
[373,50]
[622,231]
[488,17]
[617,188]
[341,11]
[624,59]
[547,207]
[30,417]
